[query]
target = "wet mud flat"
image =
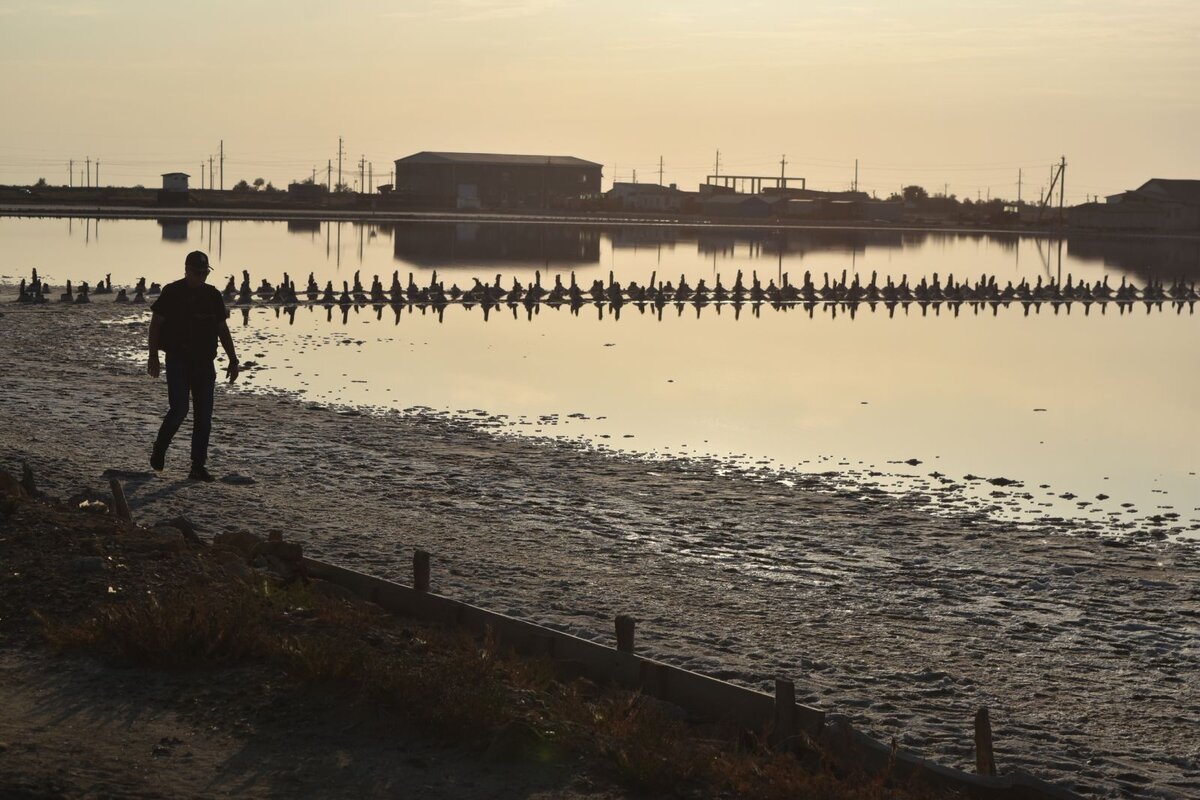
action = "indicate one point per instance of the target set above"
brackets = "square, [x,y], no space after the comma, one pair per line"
[1084,647]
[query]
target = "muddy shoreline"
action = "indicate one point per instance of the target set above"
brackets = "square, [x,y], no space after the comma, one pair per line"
[1083,647]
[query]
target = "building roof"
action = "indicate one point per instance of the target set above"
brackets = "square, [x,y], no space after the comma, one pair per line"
[738,199]
[1178,191]
[176,175]
[496,159]
[623,187]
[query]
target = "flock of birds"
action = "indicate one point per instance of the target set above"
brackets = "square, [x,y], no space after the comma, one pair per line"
[845,292]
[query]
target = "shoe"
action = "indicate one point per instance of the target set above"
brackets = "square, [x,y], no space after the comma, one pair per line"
[199,473]
[158,458]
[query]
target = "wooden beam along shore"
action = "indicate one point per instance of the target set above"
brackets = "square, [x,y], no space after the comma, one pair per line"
[780,717]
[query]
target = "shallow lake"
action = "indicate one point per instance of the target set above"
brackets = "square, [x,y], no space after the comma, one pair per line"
[1086,413]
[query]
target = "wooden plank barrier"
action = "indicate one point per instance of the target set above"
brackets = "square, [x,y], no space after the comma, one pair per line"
[702,697]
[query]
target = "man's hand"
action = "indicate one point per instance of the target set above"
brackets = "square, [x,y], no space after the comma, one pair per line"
[152,367]
[233,369]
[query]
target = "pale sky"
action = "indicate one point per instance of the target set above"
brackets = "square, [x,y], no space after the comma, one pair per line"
[935,92]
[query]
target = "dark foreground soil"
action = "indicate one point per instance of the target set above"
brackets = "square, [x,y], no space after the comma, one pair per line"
[77,725]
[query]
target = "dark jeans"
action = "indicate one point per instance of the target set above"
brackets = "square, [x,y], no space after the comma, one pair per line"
[187,377]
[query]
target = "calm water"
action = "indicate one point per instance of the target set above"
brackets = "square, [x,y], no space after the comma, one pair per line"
[1070,405]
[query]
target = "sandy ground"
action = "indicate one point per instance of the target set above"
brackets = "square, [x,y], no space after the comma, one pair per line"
[1085,649]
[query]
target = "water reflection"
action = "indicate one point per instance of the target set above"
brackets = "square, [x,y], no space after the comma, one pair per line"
[451,244]
[173,230]
[662,309]
[1148,258]
[324,246]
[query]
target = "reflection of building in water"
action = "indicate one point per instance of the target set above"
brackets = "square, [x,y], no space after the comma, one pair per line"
[471,243]
[638,236]
[304,226]
[800,242]
[174,230]
[1163,259]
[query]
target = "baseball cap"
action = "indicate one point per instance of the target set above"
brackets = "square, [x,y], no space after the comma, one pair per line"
[197,260]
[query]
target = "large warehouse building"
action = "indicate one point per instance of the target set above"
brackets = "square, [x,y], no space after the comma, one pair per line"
[492,180]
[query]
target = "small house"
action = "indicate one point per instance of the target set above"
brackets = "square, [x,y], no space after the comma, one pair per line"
[175,181]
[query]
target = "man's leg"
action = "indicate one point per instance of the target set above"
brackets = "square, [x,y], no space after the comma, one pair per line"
[204,380]
[178,388]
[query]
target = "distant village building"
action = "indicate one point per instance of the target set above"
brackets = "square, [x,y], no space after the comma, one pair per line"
[648,197]
[174,192]
[740,205]
[307,190]
[1158,204]
[494,180]
[175,181]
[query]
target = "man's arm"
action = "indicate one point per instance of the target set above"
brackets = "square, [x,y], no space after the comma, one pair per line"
[156,323]
[227,343]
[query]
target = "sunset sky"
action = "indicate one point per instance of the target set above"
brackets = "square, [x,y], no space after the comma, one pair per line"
[937,92]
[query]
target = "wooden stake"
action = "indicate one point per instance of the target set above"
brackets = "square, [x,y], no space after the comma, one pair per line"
[985,760]
[421,571]
[625,628]
[27,481]
[120,506]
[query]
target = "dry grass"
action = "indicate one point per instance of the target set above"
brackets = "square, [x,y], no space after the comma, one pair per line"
[448,682]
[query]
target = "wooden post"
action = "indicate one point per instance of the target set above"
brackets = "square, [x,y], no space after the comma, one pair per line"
[625,627]
[421,571]
[27,481]
[985,760]
[120,506]
[785,713]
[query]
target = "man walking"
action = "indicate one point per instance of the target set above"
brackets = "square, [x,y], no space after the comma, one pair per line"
[189,318]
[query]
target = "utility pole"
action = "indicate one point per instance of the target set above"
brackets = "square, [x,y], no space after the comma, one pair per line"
[339,183]
[222,165]
[946,190]
[97,172]
[201,174]
[329,174]
[782,169]
[89,171]
[371,178]
[211,183]
[660,170]
[717,164]
[1062,186]
[71,173]
[362,165]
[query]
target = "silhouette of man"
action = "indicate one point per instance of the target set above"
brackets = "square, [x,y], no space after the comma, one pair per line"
[189,317]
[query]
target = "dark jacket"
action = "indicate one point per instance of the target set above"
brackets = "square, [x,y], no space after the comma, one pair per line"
[192,319]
